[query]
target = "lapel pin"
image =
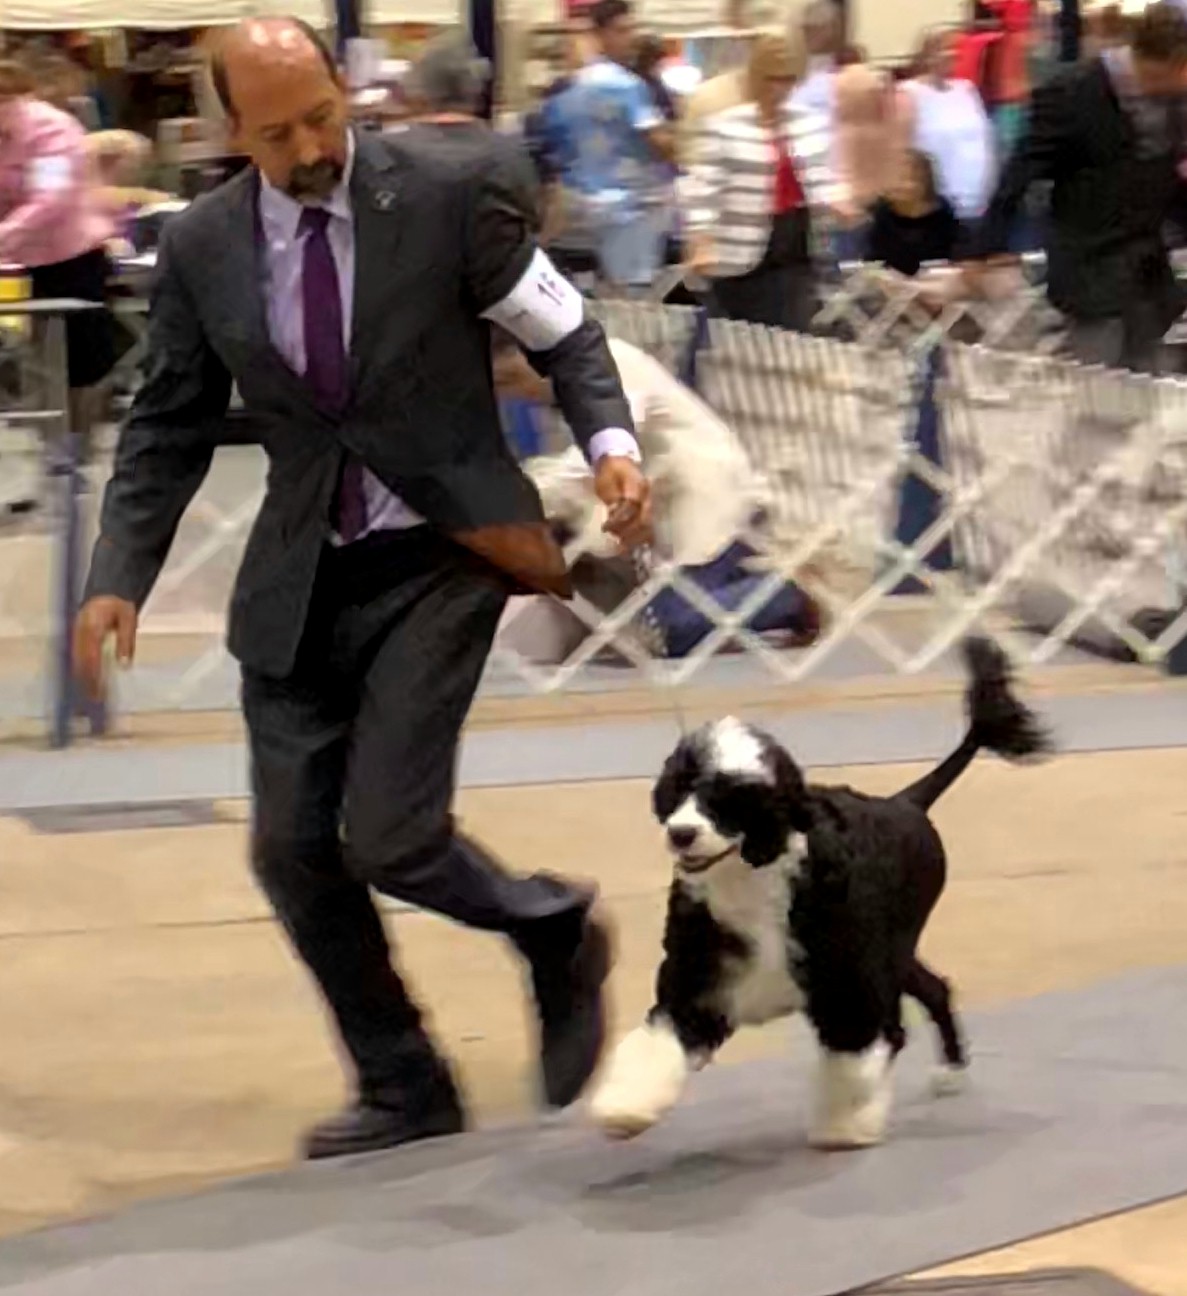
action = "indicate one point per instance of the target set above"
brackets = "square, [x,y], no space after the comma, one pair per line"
[385,200]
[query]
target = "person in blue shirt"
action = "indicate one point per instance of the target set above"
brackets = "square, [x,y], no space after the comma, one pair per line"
[617,144]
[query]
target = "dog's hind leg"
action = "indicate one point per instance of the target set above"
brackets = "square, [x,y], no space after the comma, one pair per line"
[934,993]
[896,1032]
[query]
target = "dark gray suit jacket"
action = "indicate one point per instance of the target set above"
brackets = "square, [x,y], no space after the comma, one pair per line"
[438,241]
[468,143]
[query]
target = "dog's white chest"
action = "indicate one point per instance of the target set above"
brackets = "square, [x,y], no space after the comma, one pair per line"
[755,904]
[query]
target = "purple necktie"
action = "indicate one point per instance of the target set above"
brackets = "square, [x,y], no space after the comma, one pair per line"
[325,357]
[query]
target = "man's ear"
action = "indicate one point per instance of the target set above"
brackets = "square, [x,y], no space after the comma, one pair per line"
[235,140]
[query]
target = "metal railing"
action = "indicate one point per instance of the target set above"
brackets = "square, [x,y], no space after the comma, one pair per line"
[44,407]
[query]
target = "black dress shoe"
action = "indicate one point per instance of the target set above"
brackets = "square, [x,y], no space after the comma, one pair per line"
[568,984]
[366,1127]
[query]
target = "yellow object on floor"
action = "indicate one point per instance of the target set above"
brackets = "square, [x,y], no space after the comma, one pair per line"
[15,286]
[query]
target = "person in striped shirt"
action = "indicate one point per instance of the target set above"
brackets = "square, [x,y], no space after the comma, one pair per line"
[761,168]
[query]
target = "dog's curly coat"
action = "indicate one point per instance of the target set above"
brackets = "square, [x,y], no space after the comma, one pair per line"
[789,897]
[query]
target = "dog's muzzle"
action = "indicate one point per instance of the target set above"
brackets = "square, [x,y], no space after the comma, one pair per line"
[701,863]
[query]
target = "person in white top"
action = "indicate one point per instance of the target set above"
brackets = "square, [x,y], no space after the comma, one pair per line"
[822,28]
[949,123]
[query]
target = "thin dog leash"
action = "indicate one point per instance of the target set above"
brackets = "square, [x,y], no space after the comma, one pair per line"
[655,641]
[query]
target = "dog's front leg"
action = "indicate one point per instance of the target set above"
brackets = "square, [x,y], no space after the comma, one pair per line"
[854,1098]
[648,1070]
[645,1078]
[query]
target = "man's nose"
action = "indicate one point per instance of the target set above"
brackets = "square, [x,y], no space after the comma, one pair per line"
[681,836]
[308,149]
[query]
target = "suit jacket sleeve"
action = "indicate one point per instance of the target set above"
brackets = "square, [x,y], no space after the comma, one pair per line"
[512,283]
[1034,159]
[166,445]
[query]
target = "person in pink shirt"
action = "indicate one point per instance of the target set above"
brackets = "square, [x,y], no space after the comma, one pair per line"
[51,220]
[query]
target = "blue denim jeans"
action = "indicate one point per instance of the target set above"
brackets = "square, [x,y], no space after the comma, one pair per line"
[631,252]
[729,583]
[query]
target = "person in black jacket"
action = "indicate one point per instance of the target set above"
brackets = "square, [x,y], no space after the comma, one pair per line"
[911,223]
[1109,136]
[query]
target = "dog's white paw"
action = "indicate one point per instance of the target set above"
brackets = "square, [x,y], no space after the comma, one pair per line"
[863,1128]
[855,1099]
[948,1080]
[643,1082]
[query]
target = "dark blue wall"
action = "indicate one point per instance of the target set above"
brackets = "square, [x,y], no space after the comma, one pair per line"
[484,33]
[1069,30]
[347,23]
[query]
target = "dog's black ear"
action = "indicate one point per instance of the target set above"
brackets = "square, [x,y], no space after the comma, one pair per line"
[791,790]
[675,781]
[775,809]
[767,827]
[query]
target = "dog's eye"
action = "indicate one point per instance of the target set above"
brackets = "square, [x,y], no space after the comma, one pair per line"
[674,785]
[726,803]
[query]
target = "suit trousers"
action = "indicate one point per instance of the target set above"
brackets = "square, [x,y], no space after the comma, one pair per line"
[353,763]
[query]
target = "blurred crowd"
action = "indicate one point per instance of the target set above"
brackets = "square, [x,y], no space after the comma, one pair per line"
[802,153]
[740,188]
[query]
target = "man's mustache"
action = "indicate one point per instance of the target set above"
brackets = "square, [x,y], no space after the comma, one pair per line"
[314,179]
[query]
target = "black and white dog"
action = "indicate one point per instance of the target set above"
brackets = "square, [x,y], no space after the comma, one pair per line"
[788,898]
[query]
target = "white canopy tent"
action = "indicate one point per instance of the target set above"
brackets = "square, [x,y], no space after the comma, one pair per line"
[165,15]
[169,15]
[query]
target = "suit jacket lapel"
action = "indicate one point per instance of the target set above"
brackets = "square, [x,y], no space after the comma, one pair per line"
[240,267]
[377,196]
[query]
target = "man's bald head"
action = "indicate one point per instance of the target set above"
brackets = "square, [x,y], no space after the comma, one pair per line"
[278,83]
[255,38]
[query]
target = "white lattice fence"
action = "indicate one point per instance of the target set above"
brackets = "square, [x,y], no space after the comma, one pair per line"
[665,332]
[828,424]
[880,308]
[824,420]
[1081,533]
[1058,481]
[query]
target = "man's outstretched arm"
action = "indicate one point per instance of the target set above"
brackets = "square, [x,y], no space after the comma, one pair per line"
[162,457]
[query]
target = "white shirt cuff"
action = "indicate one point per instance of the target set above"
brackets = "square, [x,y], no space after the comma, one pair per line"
[613,441]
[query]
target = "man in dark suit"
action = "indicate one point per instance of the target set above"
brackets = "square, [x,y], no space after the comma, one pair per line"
[1109,135]
[348,286]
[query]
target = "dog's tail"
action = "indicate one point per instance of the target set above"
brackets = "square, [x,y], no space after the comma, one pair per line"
[998,722]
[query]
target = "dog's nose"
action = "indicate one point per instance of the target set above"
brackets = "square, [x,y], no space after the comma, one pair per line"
[681,836]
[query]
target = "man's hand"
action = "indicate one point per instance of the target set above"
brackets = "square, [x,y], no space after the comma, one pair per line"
[98,620]
[626,493]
